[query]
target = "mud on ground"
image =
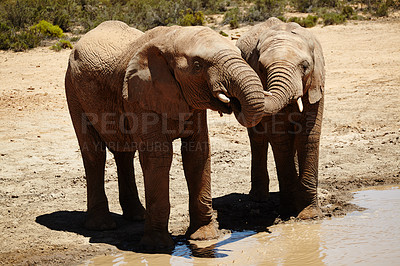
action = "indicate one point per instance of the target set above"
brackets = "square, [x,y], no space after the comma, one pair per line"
[42,184]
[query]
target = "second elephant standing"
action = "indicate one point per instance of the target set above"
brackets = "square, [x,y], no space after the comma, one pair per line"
[290,64]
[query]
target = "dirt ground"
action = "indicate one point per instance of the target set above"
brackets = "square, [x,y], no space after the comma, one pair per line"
[42,183]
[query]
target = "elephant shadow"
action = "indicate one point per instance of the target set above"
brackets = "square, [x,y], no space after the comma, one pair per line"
[125,237]
[237,212]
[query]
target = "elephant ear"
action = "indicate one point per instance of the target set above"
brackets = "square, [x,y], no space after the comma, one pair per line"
[316,85]
[150,83]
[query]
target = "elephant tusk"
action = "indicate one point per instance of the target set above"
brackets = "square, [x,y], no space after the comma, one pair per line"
[267,93]
[300,104]
[223,98]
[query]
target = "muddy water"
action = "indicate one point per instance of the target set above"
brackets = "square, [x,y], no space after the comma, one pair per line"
[369,237]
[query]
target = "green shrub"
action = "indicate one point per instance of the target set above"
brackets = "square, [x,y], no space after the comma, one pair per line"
[74,38]
[333,18]
[62,19]
[307,22]
[282,18]
[382,10]
[18,13]
[234,23]
[302,5]
[264,9]
[358,17]
[190,18]
[223,33]
[231,17]
[47,29]
[18,41]
[347,11]
[307,6]
[62,44]
[294,19]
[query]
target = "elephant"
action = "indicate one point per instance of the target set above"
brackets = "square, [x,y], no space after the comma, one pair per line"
[290,64]
[131,91]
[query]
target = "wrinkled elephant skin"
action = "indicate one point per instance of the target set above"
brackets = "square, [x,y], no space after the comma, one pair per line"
[290,64]
[131,91]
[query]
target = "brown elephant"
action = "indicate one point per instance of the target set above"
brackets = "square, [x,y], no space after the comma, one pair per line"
[290,63]
[133,91]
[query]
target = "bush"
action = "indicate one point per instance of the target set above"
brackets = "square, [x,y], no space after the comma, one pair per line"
[47,29]
[264,9]
[18,41]
[232,18]
[282,18]
[18,13]
[23,39]
[74,38]
[333,18]
[308,22]
[62,44]
[302,5]
[348,12]
[190,18]
[306,6]
[223,33]
[382,10]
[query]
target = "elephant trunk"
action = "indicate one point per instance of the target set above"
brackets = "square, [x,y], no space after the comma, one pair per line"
[285,84]
[247,91]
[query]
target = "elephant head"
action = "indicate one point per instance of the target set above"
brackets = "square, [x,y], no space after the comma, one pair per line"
[289,62]
[178,69]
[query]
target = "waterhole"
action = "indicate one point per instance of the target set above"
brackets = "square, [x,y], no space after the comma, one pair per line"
[369,237]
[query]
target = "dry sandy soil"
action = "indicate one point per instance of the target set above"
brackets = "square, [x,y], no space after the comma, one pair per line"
[42,182]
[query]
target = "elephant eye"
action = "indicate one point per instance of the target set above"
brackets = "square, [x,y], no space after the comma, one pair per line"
[197,66]
[305,65]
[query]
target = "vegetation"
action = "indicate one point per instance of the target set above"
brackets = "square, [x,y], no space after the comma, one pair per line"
[307,22]
[26,24]
[62,44]
[190,18]
[46,29]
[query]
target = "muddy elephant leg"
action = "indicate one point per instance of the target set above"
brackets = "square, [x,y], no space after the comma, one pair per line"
[93,151]
[259,174]
[307,146]
[197,167]
[128,195]
[156,159]
[282,142]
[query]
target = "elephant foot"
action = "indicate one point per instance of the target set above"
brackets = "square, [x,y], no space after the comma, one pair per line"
[205,232]
[310,212]
[259,195]
[136,214]
[157,241]
[100,222]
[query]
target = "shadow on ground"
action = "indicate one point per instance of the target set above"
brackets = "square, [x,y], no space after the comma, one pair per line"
[236,212]
[125,237]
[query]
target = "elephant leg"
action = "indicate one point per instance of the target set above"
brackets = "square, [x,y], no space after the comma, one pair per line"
[307,146]
[93,151]
[155,160]
[259,191]
[197,167]
[128,195]
[282,143]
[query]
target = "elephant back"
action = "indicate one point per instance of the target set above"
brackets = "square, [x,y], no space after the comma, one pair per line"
[99,51]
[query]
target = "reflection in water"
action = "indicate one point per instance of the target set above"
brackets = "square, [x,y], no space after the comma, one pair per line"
[368,237]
